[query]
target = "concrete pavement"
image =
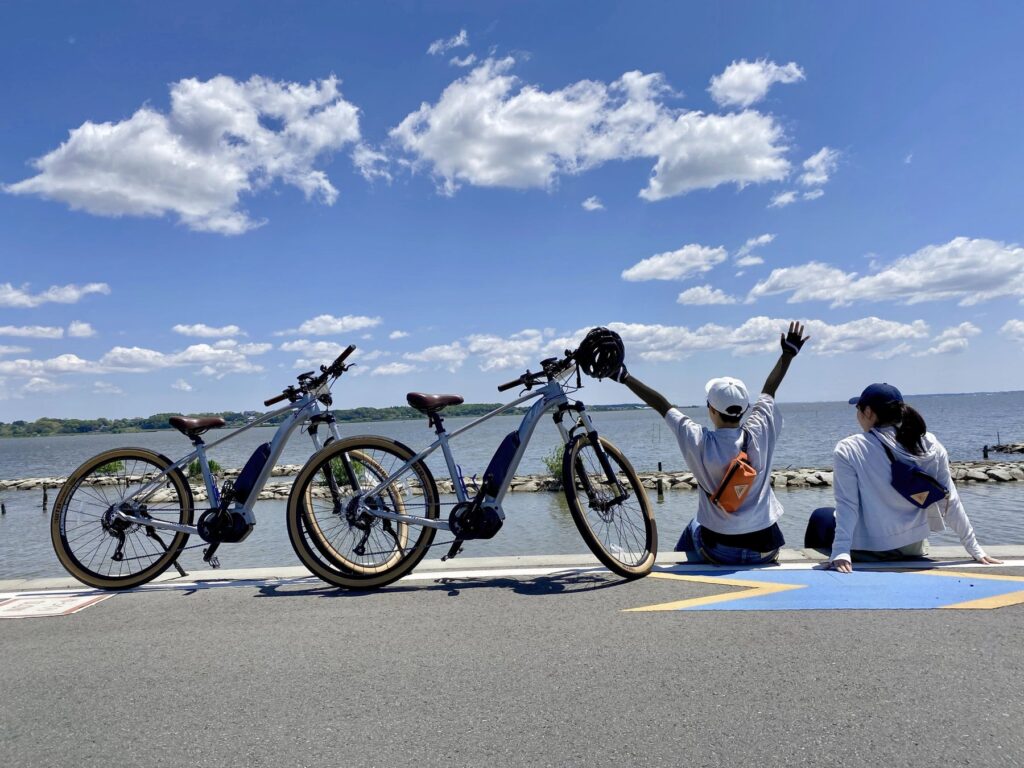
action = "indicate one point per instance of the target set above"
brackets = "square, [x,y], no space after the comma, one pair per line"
[511,661]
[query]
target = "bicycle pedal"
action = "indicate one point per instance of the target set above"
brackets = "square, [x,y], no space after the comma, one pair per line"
[214,562]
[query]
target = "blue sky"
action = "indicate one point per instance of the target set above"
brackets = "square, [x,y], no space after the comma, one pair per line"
[197,203]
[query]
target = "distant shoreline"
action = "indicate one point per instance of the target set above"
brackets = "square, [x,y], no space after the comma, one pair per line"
[47,427]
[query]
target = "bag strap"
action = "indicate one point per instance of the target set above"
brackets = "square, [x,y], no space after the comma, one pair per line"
[743,449]
[881,442]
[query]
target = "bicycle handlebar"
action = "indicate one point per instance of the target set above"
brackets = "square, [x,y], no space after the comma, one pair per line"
[306,384]
[510,384]
[277,399]
[552,367]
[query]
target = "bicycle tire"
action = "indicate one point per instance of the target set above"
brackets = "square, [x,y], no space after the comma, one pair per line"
[330,532]
[631,520]
[84,505]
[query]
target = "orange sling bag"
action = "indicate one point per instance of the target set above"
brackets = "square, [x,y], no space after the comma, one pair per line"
[735,486]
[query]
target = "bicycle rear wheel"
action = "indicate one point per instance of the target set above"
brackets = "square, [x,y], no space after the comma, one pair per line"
[614,517]
[100,549]
[331,506]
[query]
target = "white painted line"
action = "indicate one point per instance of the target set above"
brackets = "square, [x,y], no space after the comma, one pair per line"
[49,605]
[195,583]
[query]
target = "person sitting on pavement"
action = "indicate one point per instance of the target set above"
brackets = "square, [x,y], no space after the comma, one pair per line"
[750,534]
[872,520]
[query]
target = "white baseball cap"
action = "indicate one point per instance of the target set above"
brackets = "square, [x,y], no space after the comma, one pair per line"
[728,395]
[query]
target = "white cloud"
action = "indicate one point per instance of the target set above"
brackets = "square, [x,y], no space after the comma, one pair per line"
[900,350]
[207,331]
[967,270]
[745,256]
[819,166]
[657,343]
[746,82]
[39,385]
[1014,330]
[320,350]
[676,265]
[518,351]
[393,369]
[221,139]
[327,325]
[704,295]
[952,340]
[442,45]
[466,61]
[214,361]
[908,159]
[814,194]
[450,355]
[371,163]
[80,330]
[6,349]
[488,129]
[58,294]
[182,386]
[783,199]
[592,203]
[397,335]
[32,331]
[106,388]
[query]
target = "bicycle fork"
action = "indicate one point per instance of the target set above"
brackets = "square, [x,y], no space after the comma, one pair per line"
[584,422]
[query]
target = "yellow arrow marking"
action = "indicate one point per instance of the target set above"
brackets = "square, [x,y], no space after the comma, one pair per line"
[750,589]
[984,603]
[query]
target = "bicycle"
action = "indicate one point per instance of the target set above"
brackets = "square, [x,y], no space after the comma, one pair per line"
[109,513]
[364,511]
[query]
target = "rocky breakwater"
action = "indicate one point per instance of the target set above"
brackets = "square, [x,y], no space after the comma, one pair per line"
[1007,448]
[789,479]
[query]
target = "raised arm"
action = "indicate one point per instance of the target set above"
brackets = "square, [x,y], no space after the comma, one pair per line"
[651,397]
[791,343]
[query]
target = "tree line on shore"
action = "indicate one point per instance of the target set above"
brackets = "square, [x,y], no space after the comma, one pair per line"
[233,419]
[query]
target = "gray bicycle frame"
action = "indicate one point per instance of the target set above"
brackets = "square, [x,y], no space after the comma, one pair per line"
[552,397]
[301,411]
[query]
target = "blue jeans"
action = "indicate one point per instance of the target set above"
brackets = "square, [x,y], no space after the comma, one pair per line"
[692,543]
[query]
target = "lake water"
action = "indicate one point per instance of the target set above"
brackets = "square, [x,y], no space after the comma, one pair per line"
[538,523]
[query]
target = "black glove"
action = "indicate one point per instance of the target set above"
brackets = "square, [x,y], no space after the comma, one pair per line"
[793,341]
[619,374]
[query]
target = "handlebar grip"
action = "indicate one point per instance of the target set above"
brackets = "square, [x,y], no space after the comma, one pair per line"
[278,399]
[510,384]
[348,351]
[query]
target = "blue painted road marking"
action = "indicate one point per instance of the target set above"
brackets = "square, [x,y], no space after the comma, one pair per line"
[817,590]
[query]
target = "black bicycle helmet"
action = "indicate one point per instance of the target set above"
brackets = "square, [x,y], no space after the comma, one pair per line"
[601,353]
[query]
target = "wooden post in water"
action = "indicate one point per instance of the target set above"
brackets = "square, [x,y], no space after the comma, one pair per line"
[45,501]
[3,508]
[661,485]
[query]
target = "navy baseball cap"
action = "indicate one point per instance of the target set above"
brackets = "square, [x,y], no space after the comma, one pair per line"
[877,394]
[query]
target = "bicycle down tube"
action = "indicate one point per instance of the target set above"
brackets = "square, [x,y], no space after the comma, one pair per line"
[551,397]
[299,414]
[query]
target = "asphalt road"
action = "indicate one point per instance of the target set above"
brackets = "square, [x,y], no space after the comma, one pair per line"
[505,671]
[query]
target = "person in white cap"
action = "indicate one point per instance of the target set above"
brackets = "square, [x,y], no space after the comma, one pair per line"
[751,534]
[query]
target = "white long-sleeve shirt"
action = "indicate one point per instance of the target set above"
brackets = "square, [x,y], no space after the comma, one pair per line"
[872,515]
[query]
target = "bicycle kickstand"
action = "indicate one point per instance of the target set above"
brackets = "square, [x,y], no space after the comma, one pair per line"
[151,532]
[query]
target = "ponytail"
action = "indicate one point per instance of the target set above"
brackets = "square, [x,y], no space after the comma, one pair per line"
[910,431]
[910,426]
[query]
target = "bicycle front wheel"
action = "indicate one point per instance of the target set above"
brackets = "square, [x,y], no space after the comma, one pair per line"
[331,520]
[102,550]
[612,514]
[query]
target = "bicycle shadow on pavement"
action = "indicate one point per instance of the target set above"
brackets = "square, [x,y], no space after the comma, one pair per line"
[570,582]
